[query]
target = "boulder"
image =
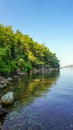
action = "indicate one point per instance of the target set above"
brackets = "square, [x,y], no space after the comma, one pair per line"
[5,80]
[3,86]
[2,80]
[2,111]
[9,79]
[7,99]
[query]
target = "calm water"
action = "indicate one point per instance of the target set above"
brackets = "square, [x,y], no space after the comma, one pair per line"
[43,105]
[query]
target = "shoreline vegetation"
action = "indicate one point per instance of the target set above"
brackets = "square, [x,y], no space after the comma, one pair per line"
[20,52]
[20,55]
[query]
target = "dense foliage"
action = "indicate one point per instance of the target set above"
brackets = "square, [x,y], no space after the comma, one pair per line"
[20,51]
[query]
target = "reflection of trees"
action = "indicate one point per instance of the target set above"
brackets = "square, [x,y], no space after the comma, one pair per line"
[26,89]
[46,81]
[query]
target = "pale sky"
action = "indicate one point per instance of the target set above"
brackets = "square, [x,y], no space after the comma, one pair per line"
[46,21]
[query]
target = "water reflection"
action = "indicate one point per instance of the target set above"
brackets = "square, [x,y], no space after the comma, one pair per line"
[43,105]
[26,89]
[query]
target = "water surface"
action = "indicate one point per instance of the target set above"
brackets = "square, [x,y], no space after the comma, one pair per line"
[41,105]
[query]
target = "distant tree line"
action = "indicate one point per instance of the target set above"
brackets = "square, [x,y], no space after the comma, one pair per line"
[20,51]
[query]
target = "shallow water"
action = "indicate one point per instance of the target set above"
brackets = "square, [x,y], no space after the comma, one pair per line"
[41,105]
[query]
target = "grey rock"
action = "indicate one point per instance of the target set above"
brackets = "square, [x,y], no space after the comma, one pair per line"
[2,80]
[9,79]
[7,99]
[2,86]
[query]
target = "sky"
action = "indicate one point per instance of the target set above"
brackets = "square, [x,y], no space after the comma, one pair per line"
[45,21]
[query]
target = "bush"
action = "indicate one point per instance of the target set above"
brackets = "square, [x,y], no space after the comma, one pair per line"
[6,68]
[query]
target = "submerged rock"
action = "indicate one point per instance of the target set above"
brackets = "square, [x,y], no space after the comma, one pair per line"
[7,99]
[2,111]
[37,80]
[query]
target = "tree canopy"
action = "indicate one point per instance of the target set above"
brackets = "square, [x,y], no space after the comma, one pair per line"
[20,51]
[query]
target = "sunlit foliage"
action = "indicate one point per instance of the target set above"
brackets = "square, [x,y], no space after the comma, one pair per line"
[20,51]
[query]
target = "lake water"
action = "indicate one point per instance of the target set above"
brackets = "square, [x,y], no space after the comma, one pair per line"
[41,105]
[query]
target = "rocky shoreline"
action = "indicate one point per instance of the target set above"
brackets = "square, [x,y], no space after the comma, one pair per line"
[8,98]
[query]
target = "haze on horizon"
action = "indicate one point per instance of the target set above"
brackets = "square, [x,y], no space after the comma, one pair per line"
[48,21]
